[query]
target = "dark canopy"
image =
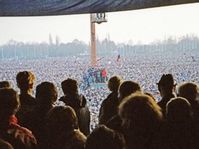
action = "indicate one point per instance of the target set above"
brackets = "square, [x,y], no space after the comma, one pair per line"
[62,7]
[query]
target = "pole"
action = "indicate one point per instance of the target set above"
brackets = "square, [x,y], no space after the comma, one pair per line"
[93,43]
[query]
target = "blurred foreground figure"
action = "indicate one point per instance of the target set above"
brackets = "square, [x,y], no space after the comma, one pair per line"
[105,138]
[19,137]
[180,131]
[142,120]
[4,84]
[5,145]
[61,130]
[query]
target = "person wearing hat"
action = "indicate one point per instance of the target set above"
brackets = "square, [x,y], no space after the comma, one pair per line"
[166,88]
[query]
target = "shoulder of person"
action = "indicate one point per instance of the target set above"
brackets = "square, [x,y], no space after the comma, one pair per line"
[22,134]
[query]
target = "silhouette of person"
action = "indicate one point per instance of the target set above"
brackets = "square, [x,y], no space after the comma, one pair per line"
[25,82]
[109,106]
[166,88]
[61,129]
[105,138]
[77,102]
[19,137]
[4,84]
[142,120]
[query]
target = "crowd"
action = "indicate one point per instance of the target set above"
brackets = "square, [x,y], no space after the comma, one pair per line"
[143,68]
[83,110]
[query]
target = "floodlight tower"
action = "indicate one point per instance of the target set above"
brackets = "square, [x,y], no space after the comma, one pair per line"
[95,18]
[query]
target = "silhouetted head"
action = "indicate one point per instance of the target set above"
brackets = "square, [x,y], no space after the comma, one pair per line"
[9,102]
[166,84]
[46,93]
[4,84]
[61,120]
[139,111]
[114,83]
[69,86]
[25,80]
[127,88]
[189,90]
[104,138]
[178,110]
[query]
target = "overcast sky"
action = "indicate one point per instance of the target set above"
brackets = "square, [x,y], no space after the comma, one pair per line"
[143,26]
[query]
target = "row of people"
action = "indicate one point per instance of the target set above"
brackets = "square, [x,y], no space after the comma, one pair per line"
[135,115]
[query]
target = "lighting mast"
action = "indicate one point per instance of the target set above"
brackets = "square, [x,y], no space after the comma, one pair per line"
[95,18]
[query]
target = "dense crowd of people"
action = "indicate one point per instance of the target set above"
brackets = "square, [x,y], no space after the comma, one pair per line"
[143,105]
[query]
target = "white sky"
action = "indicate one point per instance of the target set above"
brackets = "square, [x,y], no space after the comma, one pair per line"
[135,26]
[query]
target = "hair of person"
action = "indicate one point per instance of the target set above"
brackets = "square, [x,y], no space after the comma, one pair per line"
[105,138]
[166,84]
[178,110]
[5,145]
[149,94]
[9,102]
[69,86]
[127,88]
[188,90]
[166,80]
[61,119]
[46,93]
[4,84]
[25,80]
[140,110]
[114,83]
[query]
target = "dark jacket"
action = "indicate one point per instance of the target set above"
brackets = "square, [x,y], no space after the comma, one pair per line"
[73,140]
[78,103]
[38,123]
[115,123]
[163,102]
[27,106]
[180,136]
[108,108]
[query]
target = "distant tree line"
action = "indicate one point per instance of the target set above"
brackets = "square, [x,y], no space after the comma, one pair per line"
[20,50]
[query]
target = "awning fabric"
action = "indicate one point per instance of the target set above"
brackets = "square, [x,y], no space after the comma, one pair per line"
[64,7]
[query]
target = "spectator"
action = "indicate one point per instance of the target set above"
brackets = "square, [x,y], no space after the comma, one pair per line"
[190,91]
[105,138]
[19,137]
[166,87]
[46,95]
[78,103]
[141,121]
[126,88]
[4,84]
[109,106]
[61,130]
[25,82]
[180,131]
